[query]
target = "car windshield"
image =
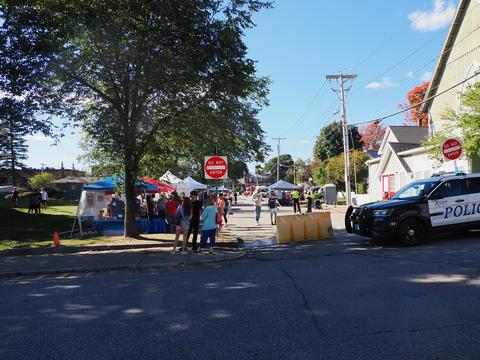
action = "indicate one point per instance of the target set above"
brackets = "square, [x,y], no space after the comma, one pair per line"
[415,189]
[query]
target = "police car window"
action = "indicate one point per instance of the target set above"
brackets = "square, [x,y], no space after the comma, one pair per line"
[449,189]
[415,189]
[473,185]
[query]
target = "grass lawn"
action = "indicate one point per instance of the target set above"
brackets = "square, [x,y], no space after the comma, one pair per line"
[19,229]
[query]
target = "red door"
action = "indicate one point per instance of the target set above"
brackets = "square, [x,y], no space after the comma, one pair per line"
[388,186]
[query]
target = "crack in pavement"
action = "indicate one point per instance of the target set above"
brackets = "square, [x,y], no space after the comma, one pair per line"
[305,301]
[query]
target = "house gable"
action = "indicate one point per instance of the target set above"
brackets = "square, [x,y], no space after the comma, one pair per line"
[459,60]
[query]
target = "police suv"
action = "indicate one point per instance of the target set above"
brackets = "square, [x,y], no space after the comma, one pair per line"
[440,203]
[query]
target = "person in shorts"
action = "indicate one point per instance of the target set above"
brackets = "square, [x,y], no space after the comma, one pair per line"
[273,207]
[43,198]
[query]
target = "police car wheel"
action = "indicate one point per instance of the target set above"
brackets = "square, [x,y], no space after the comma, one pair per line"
[411,232]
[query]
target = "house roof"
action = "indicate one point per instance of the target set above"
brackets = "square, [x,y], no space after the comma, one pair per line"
[445,54]
[399,147]
[409,134]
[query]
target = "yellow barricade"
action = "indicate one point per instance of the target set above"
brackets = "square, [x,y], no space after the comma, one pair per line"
[310,227]
[283,229]
[324,224]
[297,228]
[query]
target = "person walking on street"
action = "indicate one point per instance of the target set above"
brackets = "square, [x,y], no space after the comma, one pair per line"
[15,197]
[209,226]
[171,211]
[195,220]
[182,222]
[257,200]
[296,201]
[273,207]
[309,200]
[222,207]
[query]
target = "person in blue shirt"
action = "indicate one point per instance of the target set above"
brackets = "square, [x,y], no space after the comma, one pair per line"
[209,225]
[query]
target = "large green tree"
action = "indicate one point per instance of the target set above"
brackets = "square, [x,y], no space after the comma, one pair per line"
[329,144]
[329,141]
[134,72]
[286,162]
[334,169]
[22,99]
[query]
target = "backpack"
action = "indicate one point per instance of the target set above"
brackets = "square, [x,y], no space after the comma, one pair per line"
[218,218]
[271,203]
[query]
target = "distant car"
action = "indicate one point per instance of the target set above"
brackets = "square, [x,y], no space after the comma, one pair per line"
[441,203]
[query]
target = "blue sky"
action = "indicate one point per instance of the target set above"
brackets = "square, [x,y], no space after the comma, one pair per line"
[391,45]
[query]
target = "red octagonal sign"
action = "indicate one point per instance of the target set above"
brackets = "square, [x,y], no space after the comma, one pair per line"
[216,167]
[452,149]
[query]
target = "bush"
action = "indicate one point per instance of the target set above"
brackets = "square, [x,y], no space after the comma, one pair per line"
[362,188]
[41,180]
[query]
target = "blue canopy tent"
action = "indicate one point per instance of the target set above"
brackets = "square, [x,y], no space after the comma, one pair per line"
[96,196]
[111,183]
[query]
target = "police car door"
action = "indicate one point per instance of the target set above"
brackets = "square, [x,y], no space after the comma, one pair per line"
[473,189]
[448,204]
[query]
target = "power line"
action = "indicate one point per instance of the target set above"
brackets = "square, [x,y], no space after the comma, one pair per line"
[420,103]
[389,40]
[278,155]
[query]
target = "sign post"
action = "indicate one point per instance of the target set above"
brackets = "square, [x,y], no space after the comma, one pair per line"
[216,167]
[452,150]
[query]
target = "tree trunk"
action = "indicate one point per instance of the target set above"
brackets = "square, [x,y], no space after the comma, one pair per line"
[13,172]
[130,229]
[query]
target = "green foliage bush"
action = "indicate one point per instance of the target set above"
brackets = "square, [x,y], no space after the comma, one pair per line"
[42,180]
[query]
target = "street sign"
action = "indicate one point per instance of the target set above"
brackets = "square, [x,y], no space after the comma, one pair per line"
[216,167]
[451,149]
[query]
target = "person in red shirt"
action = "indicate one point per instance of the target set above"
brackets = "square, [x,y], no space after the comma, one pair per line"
[171,212]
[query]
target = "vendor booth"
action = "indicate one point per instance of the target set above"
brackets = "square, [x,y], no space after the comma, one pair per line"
[188,185]
[102,211]
[283,186]
[162,187]
[170,179]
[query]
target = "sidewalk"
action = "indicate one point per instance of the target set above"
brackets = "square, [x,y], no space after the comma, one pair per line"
[33,265]
[242,224]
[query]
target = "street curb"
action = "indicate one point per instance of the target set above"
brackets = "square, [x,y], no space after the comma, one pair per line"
[133,268]
[76,249]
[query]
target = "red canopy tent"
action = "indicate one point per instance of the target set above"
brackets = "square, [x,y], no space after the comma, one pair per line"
[162,187]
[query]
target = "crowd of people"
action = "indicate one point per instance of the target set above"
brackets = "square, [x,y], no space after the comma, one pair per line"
[186,215]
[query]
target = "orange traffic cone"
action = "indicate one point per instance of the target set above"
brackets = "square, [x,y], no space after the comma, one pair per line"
[56,239]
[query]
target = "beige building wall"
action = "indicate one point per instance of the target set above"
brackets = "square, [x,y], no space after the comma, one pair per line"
[463,61]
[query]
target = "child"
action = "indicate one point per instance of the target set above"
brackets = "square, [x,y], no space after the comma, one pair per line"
[209,225]
[273,206]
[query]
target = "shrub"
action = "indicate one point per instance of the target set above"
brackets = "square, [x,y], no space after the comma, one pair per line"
[362,188]
[41,180]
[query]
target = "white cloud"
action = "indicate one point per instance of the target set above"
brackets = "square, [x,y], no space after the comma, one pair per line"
[304,142]
[384,84]
[440,16]
[39,138]
[427,76]
[410,75]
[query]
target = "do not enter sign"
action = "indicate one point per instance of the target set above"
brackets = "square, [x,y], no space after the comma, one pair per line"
[452,149]
[216,167]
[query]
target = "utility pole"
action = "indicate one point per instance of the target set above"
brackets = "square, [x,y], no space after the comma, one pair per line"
[342,79]
[278,155]
[294,173]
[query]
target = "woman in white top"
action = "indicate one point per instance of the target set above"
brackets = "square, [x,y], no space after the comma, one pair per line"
[257,200]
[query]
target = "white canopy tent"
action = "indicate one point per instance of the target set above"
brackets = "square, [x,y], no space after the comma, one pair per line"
[170,178]
[189,184]
[283,185]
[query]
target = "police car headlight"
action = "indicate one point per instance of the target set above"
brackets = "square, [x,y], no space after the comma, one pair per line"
[382,213]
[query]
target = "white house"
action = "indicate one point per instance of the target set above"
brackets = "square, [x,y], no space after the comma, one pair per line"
[401,156]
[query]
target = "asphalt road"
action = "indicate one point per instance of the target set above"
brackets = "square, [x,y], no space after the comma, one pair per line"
[340,299]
